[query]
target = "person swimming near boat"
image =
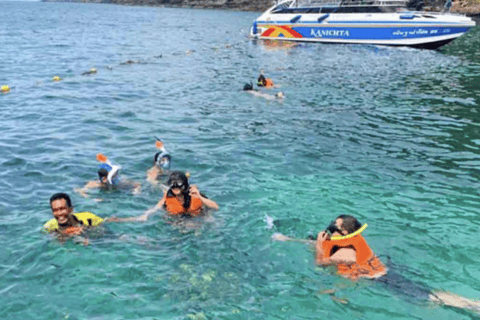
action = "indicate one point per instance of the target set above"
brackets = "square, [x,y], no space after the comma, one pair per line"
[181,200]
[161,165]
[131,62]
[91,71]
[266,83]
[248,87]
[108,175]
[342,245]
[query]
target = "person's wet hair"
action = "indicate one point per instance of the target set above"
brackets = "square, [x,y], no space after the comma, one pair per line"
[102,173]
[350,223]
[59,196]
[261,82]
[248,87]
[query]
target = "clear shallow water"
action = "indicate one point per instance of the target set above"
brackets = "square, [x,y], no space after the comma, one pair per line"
[390,135]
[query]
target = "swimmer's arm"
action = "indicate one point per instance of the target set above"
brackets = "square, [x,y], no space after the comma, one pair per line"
[143,217]
[152,175]
[88,186]
[344,255]
[137,187]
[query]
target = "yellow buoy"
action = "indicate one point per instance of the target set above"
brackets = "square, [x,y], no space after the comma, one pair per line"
[57,78]
[4,88]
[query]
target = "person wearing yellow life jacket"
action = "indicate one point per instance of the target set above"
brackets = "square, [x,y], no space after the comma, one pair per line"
[342,245]
[67,223]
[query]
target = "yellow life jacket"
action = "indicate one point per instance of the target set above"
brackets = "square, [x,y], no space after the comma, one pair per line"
[87,218]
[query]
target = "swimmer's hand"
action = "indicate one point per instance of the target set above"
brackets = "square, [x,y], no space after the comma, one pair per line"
[279,237]
[322,237]
[81,192]
[194,191]
[206,202]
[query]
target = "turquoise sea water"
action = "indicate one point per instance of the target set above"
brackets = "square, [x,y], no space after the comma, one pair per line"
[390,135]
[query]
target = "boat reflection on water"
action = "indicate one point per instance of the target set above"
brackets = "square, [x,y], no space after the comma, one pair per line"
[276,45]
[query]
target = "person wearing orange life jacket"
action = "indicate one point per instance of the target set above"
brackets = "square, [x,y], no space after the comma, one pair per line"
[342,245]
[181,199]
[267,83]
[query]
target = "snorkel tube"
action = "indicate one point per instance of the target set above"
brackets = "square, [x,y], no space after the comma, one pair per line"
[113,170]
[350,235]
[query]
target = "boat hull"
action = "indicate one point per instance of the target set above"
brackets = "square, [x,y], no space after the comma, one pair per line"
[422,34]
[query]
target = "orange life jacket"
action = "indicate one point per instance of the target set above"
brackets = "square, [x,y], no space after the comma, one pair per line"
[175,207]
[268,83]
[73,231]
[367,265]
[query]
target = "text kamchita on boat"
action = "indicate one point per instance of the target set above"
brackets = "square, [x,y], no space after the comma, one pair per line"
[380,22]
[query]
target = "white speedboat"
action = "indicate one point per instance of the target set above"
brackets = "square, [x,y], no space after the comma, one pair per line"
[379,22]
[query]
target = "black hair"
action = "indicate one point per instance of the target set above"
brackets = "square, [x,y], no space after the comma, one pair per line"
[178,175]
[350,223]
[248,86]
[261,81]
[59,196]
[102,173]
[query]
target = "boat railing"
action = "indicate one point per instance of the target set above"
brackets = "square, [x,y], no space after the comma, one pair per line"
[348,3]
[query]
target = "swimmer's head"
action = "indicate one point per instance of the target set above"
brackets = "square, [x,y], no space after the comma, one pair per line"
[248,87]
[162,160]
[343,225]
[261,82]
[279,95]
[103,175]
[178,180]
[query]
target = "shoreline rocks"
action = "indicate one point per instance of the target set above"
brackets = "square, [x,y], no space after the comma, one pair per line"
[467,7]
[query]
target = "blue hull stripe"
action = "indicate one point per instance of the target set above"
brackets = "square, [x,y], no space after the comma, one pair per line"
[363,22]
[395,33]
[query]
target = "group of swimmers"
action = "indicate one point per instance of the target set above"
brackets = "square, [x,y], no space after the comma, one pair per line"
[341,244]
[266,83]
[179,198]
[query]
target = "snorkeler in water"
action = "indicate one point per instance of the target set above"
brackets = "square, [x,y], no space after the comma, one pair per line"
[66,223]
[266,83]
[248,87]
[131,62]
[161,165]
[181,200]
[91,71]
[108,179]
[341,245]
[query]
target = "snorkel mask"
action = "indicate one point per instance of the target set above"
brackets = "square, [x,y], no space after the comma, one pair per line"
[113,171]
[162,159]
[179,180]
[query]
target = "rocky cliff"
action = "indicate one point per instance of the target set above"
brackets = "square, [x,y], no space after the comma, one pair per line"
[469,7]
